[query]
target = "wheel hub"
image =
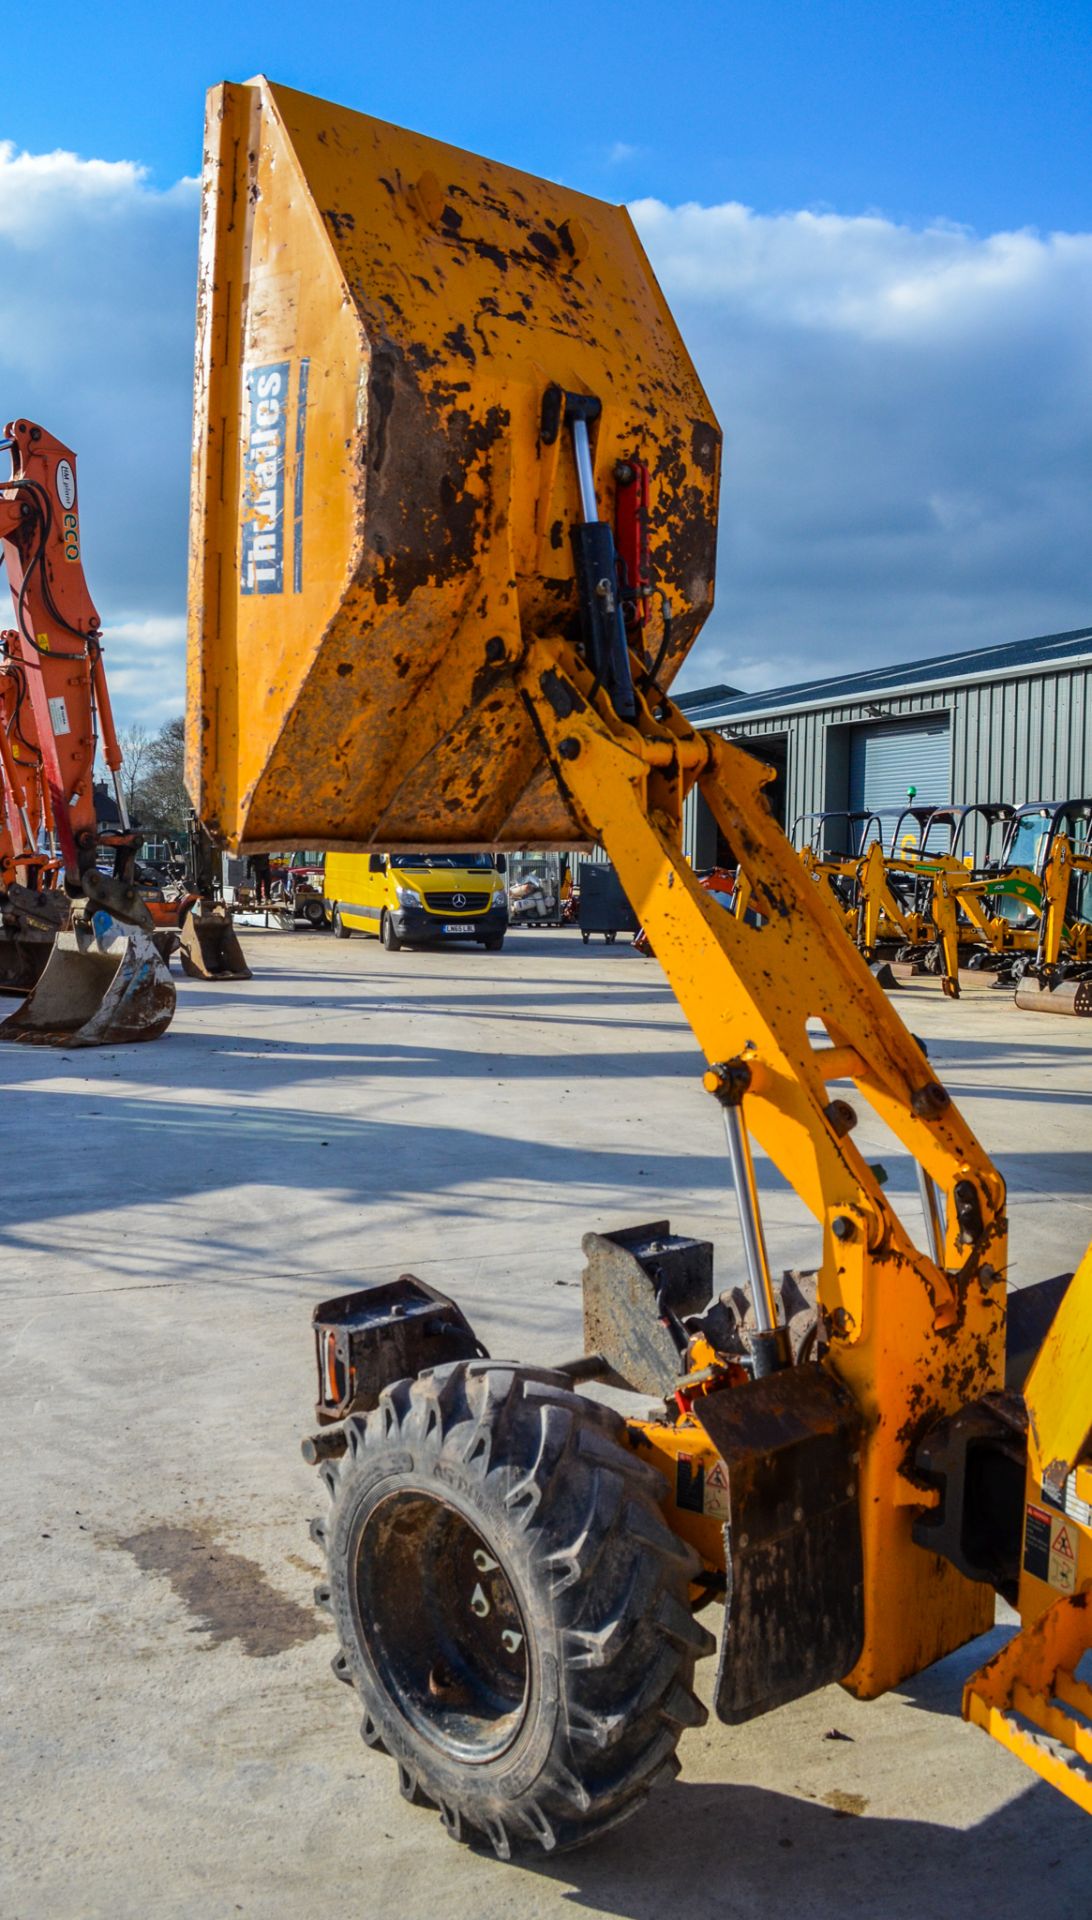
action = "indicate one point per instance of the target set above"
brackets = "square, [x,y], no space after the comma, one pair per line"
[440,1621]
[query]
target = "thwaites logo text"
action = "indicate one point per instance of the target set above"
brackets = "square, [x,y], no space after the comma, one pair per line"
[265,416]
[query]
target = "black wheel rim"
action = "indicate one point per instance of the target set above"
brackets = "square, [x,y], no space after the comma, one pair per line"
[439,1618]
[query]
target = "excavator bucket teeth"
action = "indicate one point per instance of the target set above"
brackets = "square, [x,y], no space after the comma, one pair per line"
[209,948]
[104,988]
[384,493]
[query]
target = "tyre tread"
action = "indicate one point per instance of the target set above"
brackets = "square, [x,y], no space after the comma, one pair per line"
[613,1582]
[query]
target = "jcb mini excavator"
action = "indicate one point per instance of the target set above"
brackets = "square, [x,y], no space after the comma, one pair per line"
[102,982]
[454,516]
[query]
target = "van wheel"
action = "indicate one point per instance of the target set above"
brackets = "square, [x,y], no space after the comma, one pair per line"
[341,931]
[512,1608]
[388,936]
[493,942]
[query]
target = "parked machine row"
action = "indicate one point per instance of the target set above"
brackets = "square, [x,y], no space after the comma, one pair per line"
[1002,888]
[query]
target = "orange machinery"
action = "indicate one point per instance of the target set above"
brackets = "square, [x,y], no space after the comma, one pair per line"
[103,981]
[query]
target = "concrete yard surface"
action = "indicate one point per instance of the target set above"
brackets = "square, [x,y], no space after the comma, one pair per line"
[174,1744]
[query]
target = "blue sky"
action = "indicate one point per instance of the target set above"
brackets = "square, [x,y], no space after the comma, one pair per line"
[873,223]
[972,110]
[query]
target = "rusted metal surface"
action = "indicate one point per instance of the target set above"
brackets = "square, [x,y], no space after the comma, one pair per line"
[632,1281]
[795,1599]
[97,990]
[378,526]
[208,946]
[1030,1696]
[1067,996]
[365,1341]
[29,923]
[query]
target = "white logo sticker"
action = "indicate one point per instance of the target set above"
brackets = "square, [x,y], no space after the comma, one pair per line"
[58,714]
[66,484]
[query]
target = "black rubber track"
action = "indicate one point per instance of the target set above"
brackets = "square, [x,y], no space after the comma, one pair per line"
[545,1477]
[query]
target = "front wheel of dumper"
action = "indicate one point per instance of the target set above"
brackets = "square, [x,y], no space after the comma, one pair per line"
[512,1608]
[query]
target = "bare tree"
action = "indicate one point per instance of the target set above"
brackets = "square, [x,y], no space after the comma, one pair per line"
[134,742]
[162,800]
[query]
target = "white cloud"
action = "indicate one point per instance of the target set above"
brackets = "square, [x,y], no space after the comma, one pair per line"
[907,417]
[908,433]
[99,272]
[621,152]
[145,662]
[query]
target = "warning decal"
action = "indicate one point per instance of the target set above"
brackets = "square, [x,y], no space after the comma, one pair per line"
[1063,1556]
[1037,1542]
[1050,1548]
[689,1484]
[716,1491]
[700,1488]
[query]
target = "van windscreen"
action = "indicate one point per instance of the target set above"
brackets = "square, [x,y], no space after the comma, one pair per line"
[475,862]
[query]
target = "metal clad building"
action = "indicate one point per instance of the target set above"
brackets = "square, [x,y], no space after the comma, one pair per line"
[1006,723]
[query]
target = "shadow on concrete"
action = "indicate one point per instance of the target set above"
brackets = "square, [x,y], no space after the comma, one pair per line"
[257,1064]
[749,1853]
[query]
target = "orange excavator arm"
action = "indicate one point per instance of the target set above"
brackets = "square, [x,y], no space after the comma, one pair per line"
[100,984]
[57,643]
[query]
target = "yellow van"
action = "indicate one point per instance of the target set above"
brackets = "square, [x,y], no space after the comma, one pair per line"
[415,899]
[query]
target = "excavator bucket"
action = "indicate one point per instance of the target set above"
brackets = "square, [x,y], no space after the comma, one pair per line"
[22,963]
[392,337]
[208,947]
[1064,996]
[103,986]
[29,924]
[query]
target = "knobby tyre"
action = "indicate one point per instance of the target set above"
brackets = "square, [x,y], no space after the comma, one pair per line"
[513,1610]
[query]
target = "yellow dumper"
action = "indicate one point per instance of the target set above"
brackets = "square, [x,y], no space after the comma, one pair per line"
[453,534]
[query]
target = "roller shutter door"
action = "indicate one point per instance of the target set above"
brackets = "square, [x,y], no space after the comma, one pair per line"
[887,759]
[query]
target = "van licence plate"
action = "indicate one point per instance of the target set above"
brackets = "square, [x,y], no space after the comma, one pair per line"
[454,926]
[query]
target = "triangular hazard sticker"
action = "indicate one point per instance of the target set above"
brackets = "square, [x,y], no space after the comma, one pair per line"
[1061,1544]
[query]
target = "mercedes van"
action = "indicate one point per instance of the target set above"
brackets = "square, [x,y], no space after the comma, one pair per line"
[416,899]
